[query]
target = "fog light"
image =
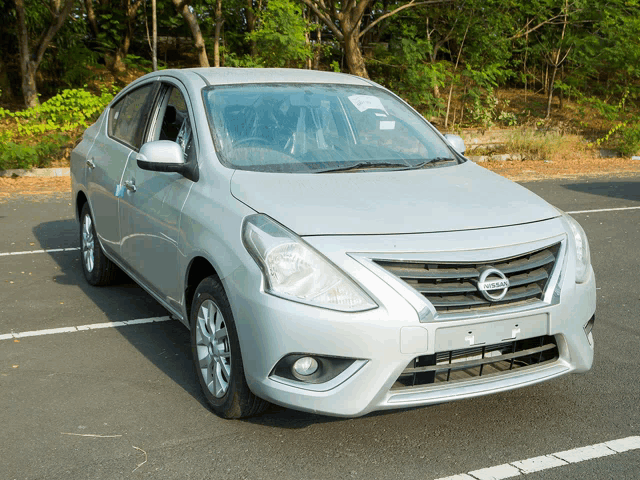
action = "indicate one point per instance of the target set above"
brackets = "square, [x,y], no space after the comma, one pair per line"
[305,366]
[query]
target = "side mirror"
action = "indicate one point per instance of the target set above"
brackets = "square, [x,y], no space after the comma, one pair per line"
[456,142]
[161,156]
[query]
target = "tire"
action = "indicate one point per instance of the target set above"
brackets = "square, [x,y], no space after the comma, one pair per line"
[97,268]
[216,354]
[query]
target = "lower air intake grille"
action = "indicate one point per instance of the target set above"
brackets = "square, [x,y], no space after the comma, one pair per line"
[453,287]
[471,363]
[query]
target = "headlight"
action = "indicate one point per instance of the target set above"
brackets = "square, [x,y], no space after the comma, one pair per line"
[583,257]
[292,269]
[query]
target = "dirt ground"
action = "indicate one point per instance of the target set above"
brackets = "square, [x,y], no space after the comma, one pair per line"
[515,170]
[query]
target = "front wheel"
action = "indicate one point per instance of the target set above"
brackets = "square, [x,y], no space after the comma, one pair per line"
[216,354]
[97,268]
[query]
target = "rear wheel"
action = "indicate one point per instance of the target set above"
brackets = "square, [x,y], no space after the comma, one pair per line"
[216,354]
[98,269]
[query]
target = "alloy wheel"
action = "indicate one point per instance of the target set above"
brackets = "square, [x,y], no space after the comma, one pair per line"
[214,349]
[87,243]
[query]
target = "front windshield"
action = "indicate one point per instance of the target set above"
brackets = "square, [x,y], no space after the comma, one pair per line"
[319,128]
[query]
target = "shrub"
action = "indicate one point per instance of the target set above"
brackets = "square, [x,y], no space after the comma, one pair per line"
[16,155]
[33,137]
[630,141]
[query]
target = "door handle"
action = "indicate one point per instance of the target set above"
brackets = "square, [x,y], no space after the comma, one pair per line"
[90,163]
[130,185]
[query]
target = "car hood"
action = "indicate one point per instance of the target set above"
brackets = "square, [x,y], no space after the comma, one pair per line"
[461,197]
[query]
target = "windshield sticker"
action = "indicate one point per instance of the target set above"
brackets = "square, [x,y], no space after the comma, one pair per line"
[388,125]
[381,115]
[366,102]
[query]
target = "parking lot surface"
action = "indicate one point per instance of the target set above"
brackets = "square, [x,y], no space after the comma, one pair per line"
[84,395]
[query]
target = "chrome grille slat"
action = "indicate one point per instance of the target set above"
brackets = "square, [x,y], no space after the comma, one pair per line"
[518,293]
[483,361]
[469,364]
[451,287]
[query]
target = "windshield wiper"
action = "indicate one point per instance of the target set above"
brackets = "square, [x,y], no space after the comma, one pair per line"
[431,162]
[367,165]
[392,165]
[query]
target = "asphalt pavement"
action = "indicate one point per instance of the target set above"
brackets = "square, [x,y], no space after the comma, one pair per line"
[123,402]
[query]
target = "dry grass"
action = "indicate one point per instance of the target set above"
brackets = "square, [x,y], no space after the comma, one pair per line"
[548,146]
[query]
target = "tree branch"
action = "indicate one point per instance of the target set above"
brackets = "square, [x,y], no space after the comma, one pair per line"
[359,8]
[541,24]
[53,29]
[325,18]
[412,3]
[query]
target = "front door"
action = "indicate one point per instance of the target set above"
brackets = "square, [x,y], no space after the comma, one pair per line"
[152,201]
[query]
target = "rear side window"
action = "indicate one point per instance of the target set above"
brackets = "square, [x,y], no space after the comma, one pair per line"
[128,117]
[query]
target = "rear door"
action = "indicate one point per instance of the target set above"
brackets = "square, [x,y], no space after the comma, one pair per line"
[120,136]
[150,208]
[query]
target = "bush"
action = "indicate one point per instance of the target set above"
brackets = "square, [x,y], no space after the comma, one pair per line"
[69,110]
[33,137]
[16,155]
[630,141]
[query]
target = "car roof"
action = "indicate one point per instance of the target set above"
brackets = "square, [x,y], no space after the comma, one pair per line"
[238,76]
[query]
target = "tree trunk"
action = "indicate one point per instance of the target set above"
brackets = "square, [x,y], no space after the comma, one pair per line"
[192,23]
[91,17]
[29,62]
[154,42]
[318,50]
[251,26]
[29,88]
[218,32]
[353,54]
[558,61]
[550,97]
[5,84]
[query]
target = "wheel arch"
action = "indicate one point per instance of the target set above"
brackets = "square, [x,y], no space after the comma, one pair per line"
[199,268]
[81,199]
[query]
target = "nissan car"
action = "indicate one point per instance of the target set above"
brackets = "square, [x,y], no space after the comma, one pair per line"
[328,249]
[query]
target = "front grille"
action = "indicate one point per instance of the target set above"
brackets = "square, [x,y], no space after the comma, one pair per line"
[451,287]
[483,361]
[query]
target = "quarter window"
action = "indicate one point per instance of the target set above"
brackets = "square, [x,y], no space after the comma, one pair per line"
[175,124]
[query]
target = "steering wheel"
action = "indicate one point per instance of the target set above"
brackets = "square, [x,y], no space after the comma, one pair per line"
[257,140]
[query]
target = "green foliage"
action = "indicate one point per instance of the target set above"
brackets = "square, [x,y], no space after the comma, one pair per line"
[37,134]
[244,61]
[138,63]
[624,136]
[483,107]
[19,155]
[630,141]
[421,77]
[112,26]
[281,34]
[69,110]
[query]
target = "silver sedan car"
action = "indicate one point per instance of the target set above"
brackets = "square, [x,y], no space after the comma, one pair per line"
[328,249]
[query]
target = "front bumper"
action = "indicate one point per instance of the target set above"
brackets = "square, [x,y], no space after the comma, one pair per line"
[388,338]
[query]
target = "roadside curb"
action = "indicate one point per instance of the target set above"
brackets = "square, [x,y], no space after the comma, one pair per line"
[36,172]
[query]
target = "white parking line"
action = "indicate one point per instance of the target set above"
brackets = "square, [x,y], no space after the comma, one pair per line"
[81,328]
[604,210]
[545,462]
[50,250]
